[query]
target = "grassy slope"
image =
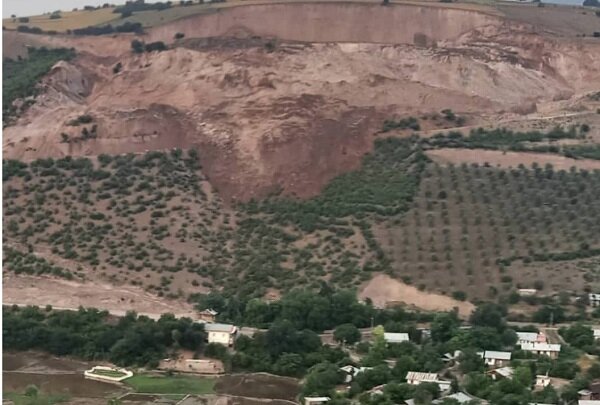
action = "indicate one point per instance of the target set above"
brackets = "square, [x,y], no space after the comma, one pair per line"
[171,385]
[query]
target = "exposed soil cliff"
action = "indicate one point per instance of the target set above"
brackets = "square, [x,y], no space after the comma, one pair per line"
[291,110]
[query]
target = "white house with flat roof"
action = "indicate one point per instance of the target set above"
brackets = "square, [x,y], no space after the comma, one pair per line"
[542,381]
[395,337]
[542,349]
[221,333]
[494,358]
[316,400]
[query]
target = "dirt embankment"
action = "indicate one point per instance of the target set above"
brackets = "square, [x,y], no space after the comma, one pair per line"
[384,290]
[333,22]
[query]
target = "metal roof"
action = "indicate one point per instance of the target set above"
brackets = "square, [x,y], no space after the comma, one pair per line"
[396,337]
[542,347]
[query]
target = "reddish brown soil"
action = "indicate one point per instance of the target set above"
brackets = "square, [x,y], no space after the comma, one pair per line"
[292,119]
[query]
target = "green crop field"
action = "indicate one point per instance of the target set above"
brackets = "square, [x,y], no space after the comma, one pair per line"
[171,384]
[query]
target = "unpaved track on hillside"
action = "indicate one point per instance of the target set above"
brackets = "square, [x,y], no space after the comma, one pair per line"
[63,294]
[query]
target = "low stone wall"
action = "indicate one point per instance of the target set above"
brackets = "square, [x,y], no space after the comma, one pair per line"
[99,377]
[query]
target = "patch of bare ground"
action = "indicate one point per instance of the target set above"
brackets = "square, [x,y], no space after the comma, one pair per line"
[559,19]
[386,291]
[42,291]
[259,385]
[568,275]
[504,159]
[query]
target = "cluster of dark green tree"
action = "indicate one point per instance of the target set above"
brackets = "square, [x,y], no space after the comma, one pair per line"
[93,335]
[403,123]
[581,336]
[385,184]
[283,349]
[505,139]
[19,77]
[501,138]
[138,46]
[28,263]
[127,26]
[137,5]
[305,309]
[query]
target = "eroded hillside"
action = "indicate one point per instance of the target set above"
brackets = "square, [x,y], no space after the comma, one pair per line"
[267,176]
[284,112]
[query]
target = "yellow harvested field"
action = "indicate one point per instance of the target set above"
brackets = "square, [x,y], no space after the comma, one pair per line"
[69,20]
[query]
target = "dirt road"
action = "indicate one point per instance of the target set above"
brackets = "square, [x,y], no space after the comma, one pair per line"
[63,294]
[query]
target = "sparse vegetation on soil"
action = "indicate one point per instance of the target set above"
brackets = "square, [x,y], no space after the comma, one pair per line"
[466,219]
[139,217]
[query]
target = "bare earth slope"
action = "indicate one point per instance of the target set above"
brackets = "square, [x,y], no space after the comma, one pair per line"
[293,118]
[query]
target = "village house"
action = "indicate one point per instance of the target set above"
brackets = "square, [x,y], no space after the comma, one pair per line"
[350,372]
[527,292]
[594,299]
[494,358]
[584,394]
[591,393]
[395,337]
[596,334]
[461,397]
[221,333]
[208,315]
[416,378]
[542,349]
[448,357]
[316,400]
[530,337]
[542,381]
[502,372]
